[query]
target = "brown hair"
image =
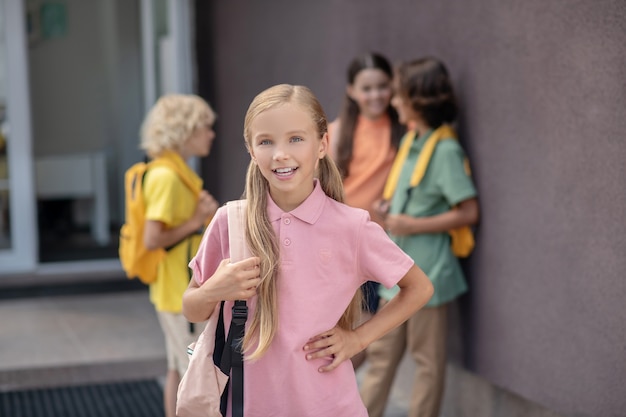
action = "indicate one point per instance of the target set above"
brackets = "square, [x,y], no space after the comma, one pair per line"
[350,111]
[426,85]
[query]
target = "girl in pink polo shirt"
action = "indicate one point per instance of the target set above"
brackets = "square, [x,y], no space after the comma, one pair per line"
[312,254]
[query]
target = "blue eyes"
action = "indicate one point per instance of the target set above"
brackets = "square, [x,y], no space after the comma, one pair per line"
[269,141]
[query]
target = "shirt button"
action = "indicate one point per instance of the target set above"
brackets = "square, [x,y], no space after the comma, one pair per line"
[287,242]
[287,221]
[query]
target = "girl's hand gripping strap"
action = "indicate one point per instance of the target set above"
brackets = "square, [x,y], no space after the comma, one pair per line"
[232,359]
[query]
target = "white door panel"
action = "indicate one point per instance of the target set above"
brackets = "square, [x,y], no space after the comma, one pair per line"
[18,238]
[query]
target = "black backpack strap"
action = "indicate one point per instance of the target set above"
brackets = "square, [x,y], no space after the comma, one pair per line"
[220,338]
[232,359]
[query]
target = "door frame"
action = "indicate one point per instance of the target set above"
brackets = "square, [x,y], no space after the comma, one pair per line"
[23,254]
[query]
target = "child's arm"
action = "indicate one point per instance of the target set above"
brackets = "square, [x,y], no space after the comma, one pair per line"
[415,291]
[465,214]
[157,235]
[237,281]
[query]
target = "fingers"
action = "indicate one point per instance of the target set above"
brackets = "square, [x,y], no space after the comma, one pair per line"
[207,203]
[335,363]
[317,346]
[248,263]
[327,348]
[249,270]
[236,281]
[335,345]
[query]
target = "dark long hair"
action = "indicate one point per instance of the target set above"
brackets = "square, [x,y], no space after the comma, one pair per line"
[426,85]
[350,111]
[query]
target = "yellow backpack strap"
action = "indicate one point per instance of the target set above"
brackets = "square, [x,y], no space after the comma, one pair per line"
[181,174]
[442,132]
[396,168]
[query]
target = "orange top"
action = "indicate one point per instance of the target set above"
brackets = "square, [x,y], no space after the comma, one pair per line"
[372,158]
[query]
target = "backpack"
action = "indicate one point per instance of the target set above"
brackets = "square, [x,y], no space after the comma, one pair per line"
[136,260]
[216,361]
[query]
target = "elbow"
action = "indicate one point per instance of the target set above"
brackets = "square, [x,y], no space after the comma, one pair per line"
[427,292]
[190,309]
[474,216]
[150,244]
[470,212]
[153,235]
[422,290]
[187,312]
[151,247]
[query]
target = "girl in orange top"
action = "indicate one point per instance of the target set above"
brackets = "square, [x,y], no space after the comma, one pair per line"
[364,140]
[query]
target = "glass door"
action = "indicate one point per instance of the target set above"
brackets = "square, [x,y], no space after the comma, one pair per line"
[18,240]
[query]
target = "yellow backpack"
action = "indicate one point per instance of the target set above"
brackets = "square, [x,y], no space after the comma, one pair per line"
[136,260]
[462,239]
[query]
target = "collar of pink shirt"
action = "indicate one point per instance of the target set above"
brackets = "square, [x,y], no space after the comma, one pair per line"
[309,211]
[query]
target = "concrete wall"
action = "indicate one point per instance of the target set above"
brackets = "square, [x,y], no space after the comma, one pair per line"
[541,85]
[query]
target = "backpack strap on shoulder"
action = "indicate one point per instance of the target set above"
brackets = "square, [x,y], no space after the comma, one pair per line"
[184,177]
[232,358]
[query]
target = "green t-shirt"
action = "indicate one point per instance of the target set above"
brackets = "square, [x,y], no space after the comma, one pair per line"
[445,184]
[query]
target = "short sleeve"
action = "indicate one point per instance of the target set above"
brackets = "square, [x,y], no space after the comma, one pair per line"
[213,248]
[453,176]
[379,258]
[159,190]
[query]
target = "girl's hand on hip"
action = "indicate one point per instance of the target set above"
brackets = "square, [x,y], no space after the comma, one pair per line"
[337,343]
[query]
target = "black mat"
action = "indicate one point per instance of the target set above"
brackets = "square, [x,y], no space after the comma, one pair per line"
[74,288]
[123,399]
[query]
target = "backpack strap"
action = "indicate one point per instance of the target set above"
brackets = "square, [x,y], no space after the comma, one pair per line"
[232,358]
[442,132]
[189,183]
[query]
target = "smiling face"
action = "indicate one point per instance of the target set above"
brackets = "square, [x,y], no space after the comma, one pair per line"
[286,145]
[371,90]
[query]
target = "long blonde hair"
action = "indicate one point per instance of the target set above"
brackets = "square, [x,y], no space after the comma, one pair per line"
[259,232]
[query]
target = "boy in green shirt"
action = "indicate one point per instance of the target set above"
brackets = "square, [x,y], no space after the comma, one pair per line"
[418,220]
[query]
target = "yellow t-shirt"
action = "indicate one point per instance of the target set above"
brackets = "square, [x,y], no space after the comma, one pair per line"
[170,201]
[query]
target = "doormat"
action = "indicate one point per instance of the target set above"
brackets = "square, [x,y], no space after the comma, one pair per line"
[72,288]
[123,399]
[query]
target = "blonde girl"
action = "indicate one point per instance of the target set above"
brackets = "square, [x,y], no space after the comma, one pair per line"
[312,254]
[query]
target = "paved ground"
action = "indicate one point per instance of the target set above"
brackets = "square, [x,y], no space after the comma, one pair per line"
[64,340]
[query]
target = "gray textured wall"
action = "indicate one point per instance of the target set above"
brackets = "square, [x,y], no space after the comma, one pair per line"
[542,88]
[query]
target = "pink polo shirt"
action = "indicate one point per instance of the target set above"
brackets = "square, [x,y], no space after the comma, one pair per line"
[328,250]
